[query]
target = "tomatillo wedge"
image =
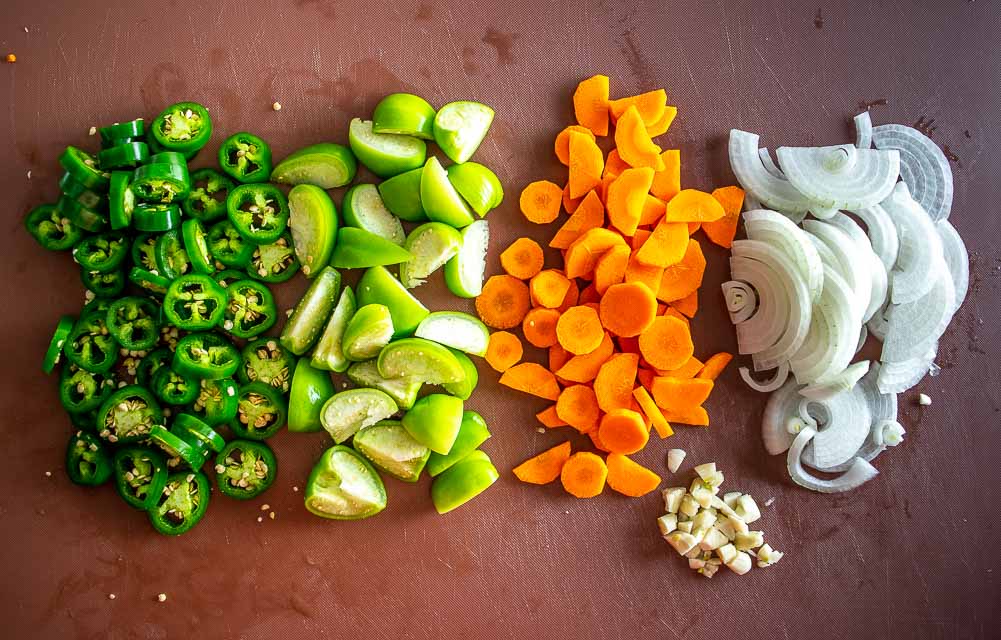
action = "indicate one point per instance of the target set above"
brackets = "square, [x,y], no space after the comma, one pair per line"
[329,352]
[404,114]
[441,202]
[364,209]
[428,361]
[465,387]
[325,165]
[313,222]
[260,411]
[479,186]
[182,503]
[245,469]
[434,421]
[402,195]
[344,486]
[310,315]
[472,433]
[349,411]
[88,462]
[55,351]
[385,154]
[464,272]
[370,329]
[459,128]
[389,447]
[140,475]
[432,245]
[378,285]
[311,388]
[403,391]
[358,248]
[463,481]
[457,330]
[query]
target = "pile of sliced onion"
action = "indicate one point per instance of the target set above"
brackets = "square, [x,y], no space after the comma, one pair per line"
[837,249]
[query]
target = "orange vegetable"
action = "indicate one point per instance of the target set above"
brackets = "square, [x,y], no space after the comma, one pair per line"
[614,383]
[596,441]
[570,299]
[610,268]
[623,431]
[590,104]
[639,238]
[630,478]
[694,416]
[714,366]
[583,475]
[723,230]
[626,197]
[562,143]
[578,407]
[653,412]
[548,288]
[602,188]
[558,356]
[585,368]
[628,344]
[570,204]
[660,127]
[645,377]
[667,182]
[540,201]
[504,350]
[685,277]
[587,215]
[584,251]
[634,143]
[533,379]
[545,467]
[692,205]
[589,295]
[689,305]
[693,227]
[523,259]
[665,246]
[503,302]
[653,210]
[687,370]
[539,327]
[579,330]
[646,274]
[586,164]
[549,418]
[614,164]
[650,105]
[628,309]
[666,343]
[679,393]
[674,313]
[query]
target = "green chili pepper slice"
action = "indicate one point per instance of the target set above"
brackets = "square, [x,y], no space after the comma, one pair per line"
[172,259]
[127,154]
[84,168]
[50,229]
[121,130]
[161,182]
[140,475]
[250,309]
[180,452]
[105,285]
[83,217]
[192,430]
[228,246]
[216,401]
[75,190]
[55,351]
[181,504]
[155,217]
[207,200]
[260,411]
[144,251]
[149,281]
[121,200]
[89,345]
[87,460]
[227,277]
[205,355]
[86,420]
[174,158]
[182,127]
[103,252]
[134,322]
[265,360]
[259,212]
[245,469]
[128,415]
[82,391]
[246,158]
[197,246]
[173,387]
[151,363]
[275,262]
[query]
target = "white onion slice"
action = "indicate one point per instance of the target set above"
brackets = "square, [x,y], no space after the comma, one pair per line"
[741,300]
[877,323]
[769,164]
[914,327]
[766,326]
[920,251]
[841,176]
[773,383]
[882,234]
[774,193]
[782,405]
[878,288]
[957,259]
[923,166]
[863,130]
[849,257]
[882,406]
[863,335]
[838,333]
[898,377]
[777,230]
[859,473]
[840,383]
[844,421]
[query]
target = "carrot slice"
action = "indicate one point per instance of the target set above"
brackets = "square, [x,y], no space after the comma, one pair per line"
[504,350]
[589,295]
[584,251]
[687,370]
[679,393]
[578,407]
[562,143]
[693,227]
[660,127]
[540,201]
[584,368]
[596,441]
[693,416]
[665,246]
[626,198]
[523,259]
[623,431]
[692,205]
[628,344]
[579,330]
[614,383]
[539,327]
[571,298]
[548,288]
[674,313]
[584,474]
[590,104]
[634,143]
[630,478]
[570,204]
[611,268]
[614,164]
[646,274]
[549,418]
[533,379]
[667,182]
[653,210]
[645,377]
[653,412]
[650,105]
[639,238]
[689,305]
[545,467]
[503,302]
[586,164]
[714,366]
[628,309]
[666,343]
[685,277]
[587,215]
[558,356]
[723,230]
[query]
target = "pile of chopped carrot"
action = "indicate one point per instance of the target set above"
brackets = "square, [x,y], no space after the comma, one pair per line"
[616,318]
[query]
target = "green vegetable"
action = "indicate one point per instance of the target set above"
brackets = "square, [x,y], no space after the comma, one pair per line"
[463,481]
[259,212]
[245,469]
[55,351]
[385,154]
[128,415]
[459,128]
[329,352]
[404,114]
[464,388]
[402,390]
[344,486]
[357,249]
[364,209]
[390,448]
[260,412]
[432,245]
[478,186]
[464,272]
[184,127]
[473,432]
[311,314]
[313,222]
[379,286]
[402,195]
[324,165]
[140,475]
[370,329]
[182,503]
[311,388]
[50,229]
[348,411]
[246,158]
[419,358]
[88,462]
[457,330]
[434,421]
[441,202]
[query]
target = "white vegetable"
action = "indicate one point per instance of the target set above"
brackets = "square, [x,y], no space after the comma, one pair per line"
[749,540]
[740,564]
[781,405]
[833,334]
[747,509]
[672,498]
[702,523]
[774,192]
[714,539]
[727,553]
[696,563]
[920,252]
[844,420]
[914,327]
[898,377]
[706,471]
[863,130]
[852,261]
[923,166]
[674,459]
[773,383]
[682,542]
[859,473]
[667,523]
[685,526]
[840,177]
[768,556]
[730,499]
[957,259]
[769,164]
[924,400]
[777,230]
[702,495]
[840,383]
[689,506]
[741,300]
[882,234]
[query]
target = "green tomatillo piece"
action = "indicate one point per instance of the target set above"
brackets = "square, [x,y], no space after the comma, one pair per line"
[432,245]
[385,154]
[404,114]
[459,128]
[425,360]
[378,285]
[370,329]
[403,390]
[457,330]
[358,249]
[463,481]
[434,421]
[325,165]
[390,448]
[464,388]
[473,432]
[310,316]
[345,413]
[344,486]
[329,352]
[464,272]
[441,202]
[311,388]
[479,186]
[402,195]
[364,209]
[313,222]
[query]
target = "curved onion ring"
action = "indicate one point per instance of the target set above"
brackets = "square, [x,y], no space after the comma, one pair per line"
[842,382]
[780,232]
[920,247]
[898,377]
[782,405]
[863,130]
[765,326]
[915,327]
[882,234]
[842,176]
[741,301]
[863,335]
[923,166]
[849,258]
[859,473]
[957,259]
[877,323]
[769,190]
[769,164]
[879,282]
[845,420]
[833,336]
[776,381]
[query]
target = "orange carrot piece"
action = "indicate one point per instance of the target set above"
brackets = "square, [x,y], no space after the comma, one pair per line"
[614,383]
[504,350]
[646,274]
[689,305]
[684,278]
[533,379]
[586,164]
[584,474]
[548,288]
[667,183]
[623,431]
[693,416]
[639,238]
[687,370]
[660,127]
[693,227]
[626,198]
[545,467]
[539,327]
[610,268]
[596,441]
[666,343]
[583,369]
[634,143]
[522,259]
[665,246]
[628,309]
[578,407]
[570,299]
[549,418]
[674,313]
[503,302]
[562,143]
[653,210]
[692,205]
[540,201]
[723,230]
[579,330]
[628,344]
[589,295]
[645,377]
[602,188]
[650,105]
[653,412]
[590,104]
[584,251]
[630,478]
[570,204]
[680,393]
[558,356]
[614,164]
[715,366]
[587,215]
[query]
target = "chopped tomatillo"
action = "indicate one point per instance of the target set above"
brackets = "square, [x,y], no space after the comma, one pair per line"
[250,309]
[246,158]
[310,315]
[389,447]
[267,361]
[260,412]
[128,415]
[194,302]
[245,469]
[140,475]
[205,355]
[181,504]
[344,486]
[87,461]
[259,212]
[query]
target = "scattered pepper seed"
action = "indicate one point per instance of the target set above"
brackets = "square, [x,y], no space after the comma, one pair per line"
[540,429]
[265,507]
[162,597]
[93,131]
[29,174]
[272,515]
[111,596]
[48,474]
[260,519]
[295,488]
[277,106]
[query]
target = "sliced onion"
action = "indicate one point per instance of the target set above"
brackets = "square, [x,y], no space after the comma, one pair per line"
[840,383]
[859,473]
[777,230]
[957,259]
[882,406]
[914,327]
[765,327]
[841,176]
[878,288]
[849,257]
[844,421]
[775,193]
[773,383]
[863,130]
[741,301]
[877,323]
[923,166]
[920,247]
[898,377]
[882,234]
[839,330]
[863,335]
[782,405]
[769,164]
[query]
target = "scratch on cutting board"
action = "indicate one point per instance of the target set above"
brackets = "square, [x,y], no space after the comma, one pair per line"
[775,76]
[455,49]
[62,52]
[729,45]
